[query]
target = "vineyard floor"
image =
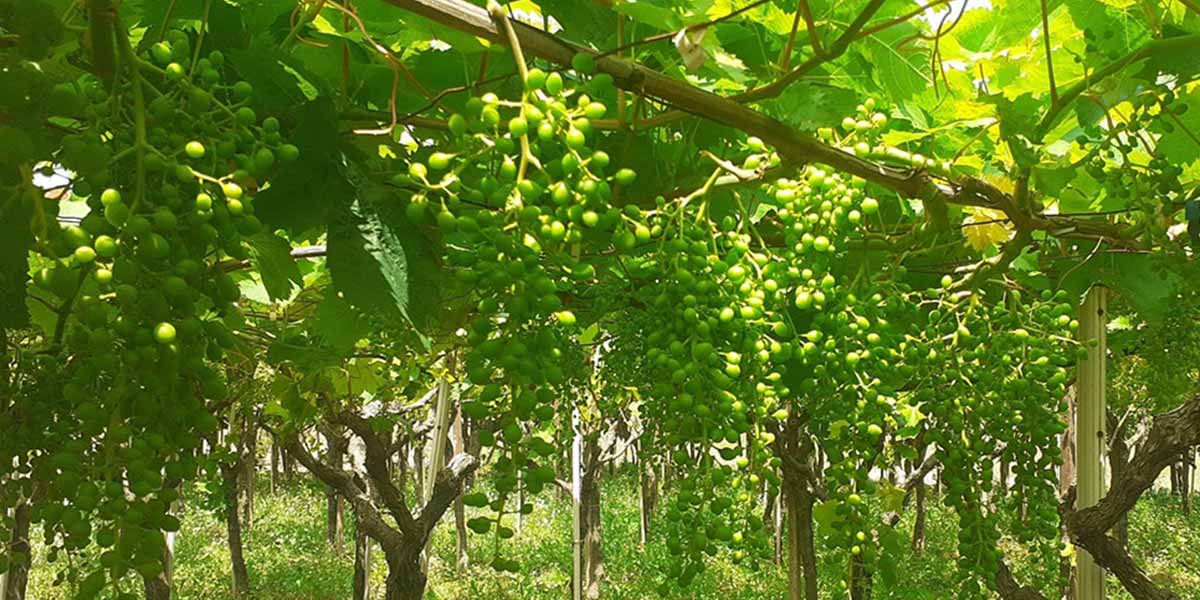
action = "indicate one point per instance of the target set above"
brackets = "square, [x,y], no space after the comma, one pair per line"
[289,559]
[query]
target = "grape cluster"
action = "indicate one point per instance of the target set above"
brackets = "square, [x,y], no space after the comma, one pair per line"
[728,313]
[169,160]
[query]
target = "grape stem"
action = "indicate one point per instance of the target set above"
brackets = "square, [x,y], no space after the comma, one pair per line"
[200,37]
[139,112]
[501,18]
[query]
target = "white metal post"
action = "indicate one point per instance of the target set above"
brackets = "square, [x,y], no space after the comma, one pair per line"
[1090,426]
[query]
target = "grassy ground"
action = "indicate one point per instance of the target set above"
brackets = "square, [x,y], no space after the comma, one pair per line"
[288,558]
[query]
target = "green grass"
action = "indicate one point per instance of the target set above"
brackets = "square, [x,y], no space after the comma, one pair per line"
[288,558]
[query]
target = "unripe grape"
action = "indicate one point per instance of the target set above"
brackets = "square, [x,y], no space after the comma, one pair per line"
[161,52]
[554,84]
[583,63]
[105,246]
[288,153]
[518,127]
[535,79]
[246,116]
[457,124]
[231,190]
[870,206]
[85,254]
[164,333]
[242,90]
[194,150]
[110,196]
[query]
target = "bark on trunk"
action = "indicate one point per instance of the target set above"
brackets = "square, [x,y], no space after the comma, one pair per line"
[1185,488]
[233,529]
[1066,482]
[1118,459]
[274,465]
[798,499]
[770,505]
[459,436]
[860,579]
[795,567]
[1004,475]
[249,463]
[779,510]
[648,487]
[918,539]
[362,563]
[17,578]
[159,586]
[334,515]
[405,579]
[590,520]
[288,463]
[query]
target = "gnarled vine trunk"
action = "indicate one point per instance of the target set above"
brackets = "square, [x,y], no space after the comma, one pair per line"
[233,530]
[590,525]
[362,562]
[798,505]
[405,579]
[335,455]
[17,578]
[158,587]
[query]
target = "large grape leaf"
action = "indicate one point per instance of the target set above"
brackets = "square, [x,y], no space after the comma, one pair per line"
[1179,141]
[280,82]
[273,258]
[582,21]
[226,29]
[1138,278]
[300,196]
[902,71]
[1004,25]
[367,261]
[338,323]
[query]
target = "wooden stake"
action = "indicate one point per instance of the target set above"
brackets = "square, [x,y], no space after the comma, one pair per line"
[437,451]
[1090,425]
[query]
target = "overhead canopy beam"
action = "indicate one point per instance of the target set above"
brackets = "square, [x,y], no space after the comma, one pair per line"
[794,146]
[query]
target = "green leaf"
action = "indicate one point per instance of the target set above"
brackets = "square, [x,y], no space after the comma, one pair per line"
[589,334]
[826,513]
[226,30]
[1140,279]
[1179,142]
[367,261]
[304,353]
[1005,25]
[647,13]
[273,259]
[809,105]
[891,497]
[299,198]
[338,323]
[278,85]
[587,21]
[900,71]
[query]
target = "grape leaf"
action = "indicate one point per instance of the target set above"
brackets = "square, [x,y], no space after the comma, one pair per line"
[1136,277]
[367,261]
[273,258]
[298,197]
[338,323]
